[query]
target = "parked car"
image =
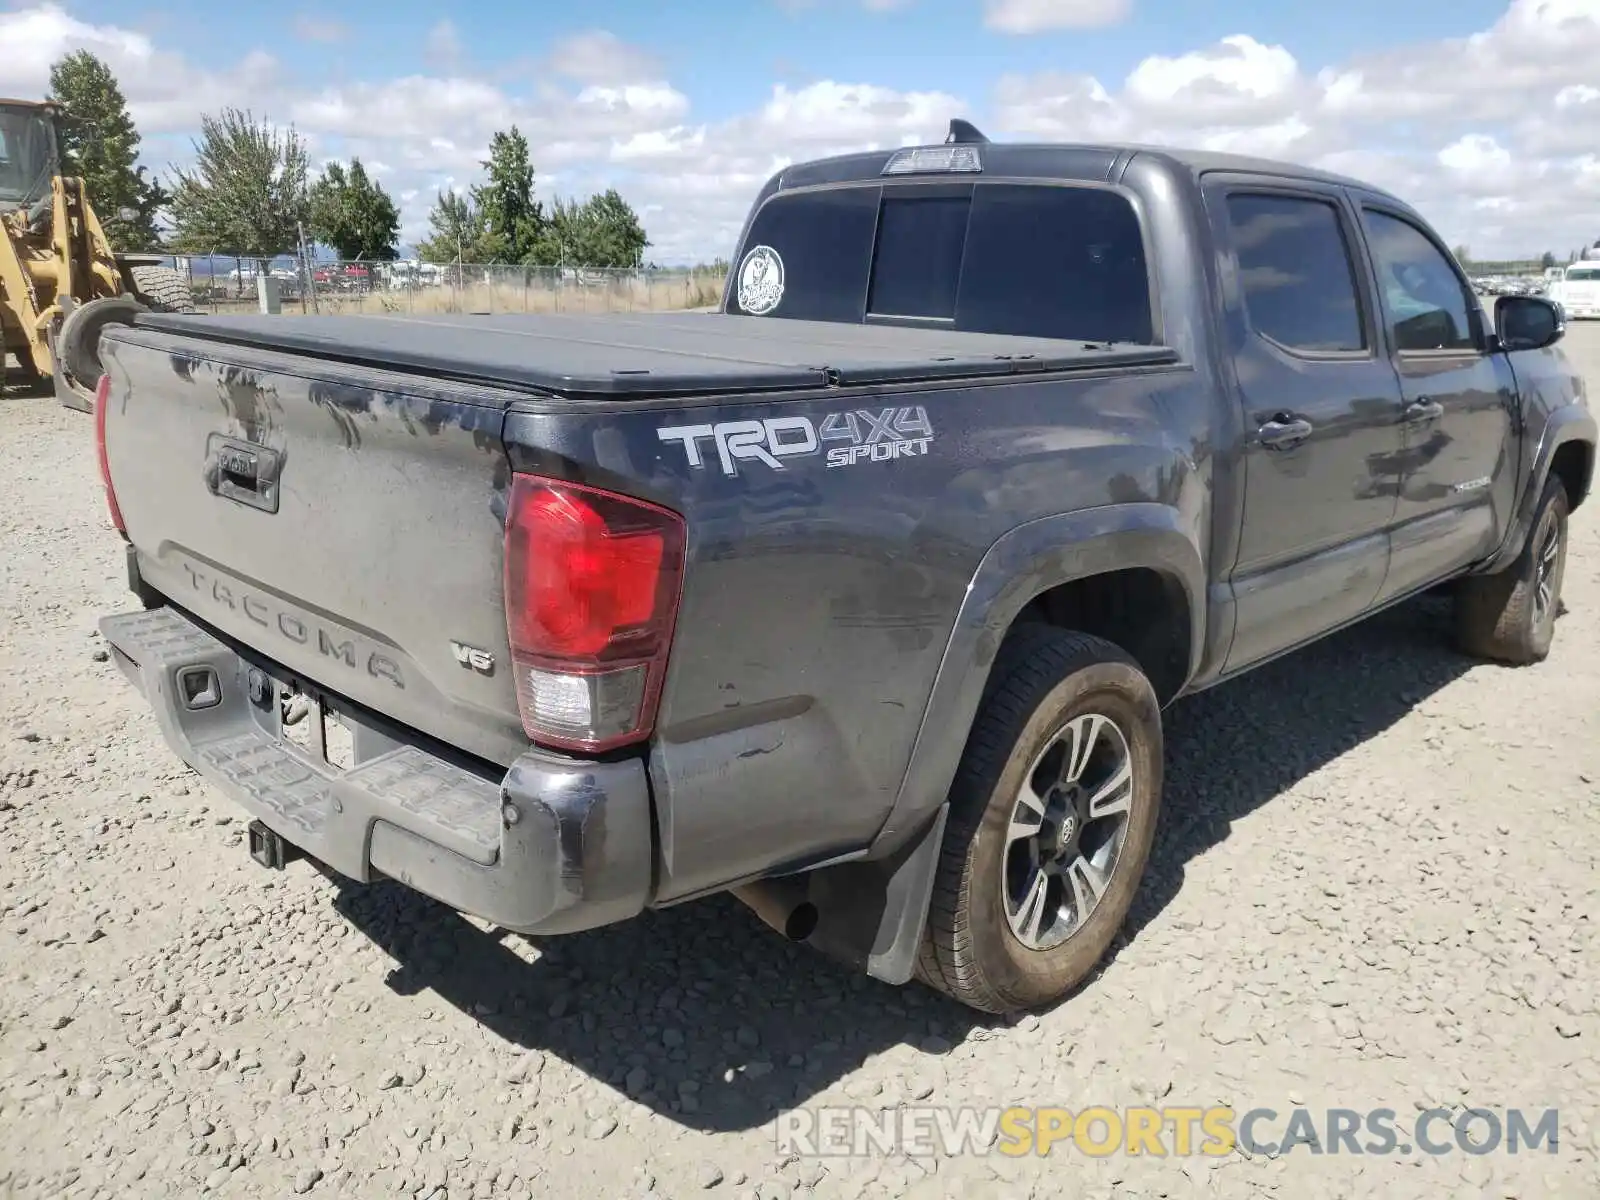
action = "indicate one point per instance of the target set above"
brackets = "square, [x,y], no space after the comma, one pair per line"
[862,597]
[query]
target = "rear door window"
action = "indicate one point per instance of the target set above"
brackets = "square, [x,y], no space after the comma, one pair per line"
[1296,274]
[1030,259]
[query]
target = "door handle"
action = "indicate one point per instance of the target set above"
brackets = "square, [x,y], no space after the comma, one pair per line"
[1423,410]
[1284,431]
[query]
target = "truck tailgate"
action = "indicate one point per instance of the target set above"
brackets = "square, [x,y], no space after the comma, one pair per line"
[344,524]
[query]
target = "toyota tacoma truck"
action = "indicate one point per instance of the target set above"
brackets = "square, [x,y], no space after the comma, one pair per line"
[861,597]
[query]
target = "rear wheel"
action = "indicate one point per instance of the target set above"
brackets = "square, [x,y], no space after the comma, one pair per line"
[1052,815]
[162,289]
[1511,615]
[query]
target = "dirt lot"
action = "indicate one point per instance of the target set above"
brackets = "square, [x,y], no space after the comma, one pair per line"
[1375,887]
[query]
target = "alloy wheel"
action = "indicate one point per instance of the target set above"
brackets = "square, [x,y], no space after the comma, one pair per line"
[1067,828]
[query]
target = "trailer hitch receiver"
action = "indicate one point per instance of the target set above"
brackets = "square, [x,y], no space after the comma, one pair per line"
[269,849]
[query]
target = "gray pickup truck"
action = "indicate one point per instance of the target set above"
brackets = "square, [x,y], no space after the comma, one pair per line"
[861,598]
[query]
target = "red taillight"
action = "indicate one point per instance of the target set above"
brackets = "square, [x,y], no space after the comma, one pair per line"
[591,582]
[102,402]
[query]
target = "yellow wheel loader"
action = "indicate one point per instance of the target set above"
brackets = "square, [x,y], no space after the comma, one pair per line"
[60,281]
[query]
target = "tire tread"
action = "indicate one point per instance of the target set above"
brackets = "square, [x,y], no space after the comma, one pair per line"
[163,288]
[1034,659]
[1493,613]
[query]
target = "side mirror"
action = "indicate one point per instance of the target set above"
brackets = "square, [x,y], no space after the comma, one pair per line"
[1528,322]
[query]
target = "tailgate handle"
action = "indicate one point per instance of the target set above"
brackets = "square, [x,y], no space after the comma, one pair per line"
[245,472]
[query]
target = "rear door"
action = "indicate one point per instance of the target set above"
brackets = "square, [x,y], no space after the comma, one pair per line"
[1458,477]
[1320,452]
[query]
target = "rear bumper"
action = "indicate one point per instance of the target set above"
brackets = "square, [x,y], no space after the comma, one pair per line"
[553,846]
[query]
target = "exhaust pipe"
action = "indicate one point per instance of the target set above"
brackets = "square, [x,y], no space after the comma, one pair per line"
[782,904]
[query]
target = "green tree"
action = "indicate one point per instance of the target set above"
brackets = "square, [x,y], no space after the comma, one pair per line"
[353,214]
[1547,259]
[602,231]
[513,220]
[612,233]
[458,231]
[248,191]
[100,143]
[1463,254]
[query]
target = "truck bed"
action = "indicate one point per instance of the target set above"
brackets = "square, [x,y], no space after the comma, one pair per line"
[653,354]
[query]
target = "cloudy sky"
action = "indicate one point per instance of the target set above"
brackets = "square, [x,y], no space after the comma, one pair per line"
[1485,116]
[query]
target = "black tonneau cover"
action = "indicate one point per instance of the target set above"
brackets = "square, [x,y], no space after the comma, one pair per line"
[653,354]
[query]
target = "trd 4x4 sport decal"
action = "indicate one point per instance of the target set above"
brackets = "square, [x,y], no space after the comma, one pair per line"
[861,435]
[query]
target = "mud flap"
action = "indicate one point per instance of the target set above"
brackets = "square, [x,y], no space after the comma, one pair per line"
[870,914]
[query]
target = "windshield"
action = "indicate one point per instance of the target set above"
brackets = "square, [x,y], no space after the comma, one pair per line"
[1039,260]
[26,155]
[1583,274]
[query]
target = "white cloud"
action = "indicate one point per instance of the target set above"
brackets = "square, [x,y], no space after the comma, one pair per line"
[1475,153]
[1488,134]
[166,93]
[703,177]
[413,107]
[1536,48]
[1237,77]
[598,56]
[1034,16]
[1494,135]
[1238,95]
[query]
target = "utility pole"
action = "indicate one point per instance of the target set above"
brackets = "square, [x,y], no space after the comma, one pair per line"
[305,267]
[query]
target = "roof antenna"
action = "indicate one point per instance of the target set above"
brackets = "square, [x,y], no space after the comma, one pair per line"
[963,132]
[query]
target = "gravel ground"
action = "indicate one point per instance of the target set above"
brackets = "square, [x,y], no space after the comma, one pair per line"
[1375,887]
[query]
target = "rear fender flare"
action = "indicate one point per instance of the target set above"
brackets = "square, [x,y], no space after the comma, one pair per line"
[1025,562]
[884,899]
[1572,422]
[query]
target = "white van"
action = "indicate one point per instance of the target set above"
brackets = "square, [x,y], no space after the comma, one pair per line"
[1578,290]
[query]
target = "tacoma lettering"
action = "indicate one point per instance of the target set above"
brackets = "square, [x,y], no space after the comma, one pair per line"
[340,648]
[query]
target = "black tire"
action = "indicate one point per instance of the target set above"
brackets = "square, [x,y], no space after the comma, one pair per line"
[162,289]
[1045,679]
[1501,616]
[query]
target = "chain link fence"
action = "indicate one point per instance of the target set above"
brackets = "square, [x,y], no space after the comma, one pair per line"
[230,283]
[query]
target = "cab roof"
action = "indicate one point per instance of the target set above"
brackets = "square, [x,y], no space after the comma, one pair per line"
[1066,160]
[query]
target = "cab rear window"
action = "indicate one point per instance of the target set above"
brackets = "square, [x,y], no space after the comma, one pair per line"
[1040,260]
